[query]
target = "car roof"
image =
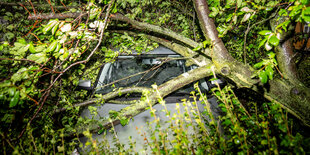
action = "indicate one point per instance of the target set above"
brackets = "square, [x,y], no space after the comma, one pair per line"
[161,50]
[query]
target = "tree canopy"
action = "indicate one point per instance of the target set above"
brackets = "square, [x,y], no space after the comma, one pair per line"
[48,46]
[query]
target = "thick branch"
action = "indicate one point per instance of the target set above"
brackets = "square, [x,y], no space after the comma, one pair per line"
[209,30]
[180,49]
[285,57]
[108,97]
[58,16]
[284,52]
[157,29]
[164,90]
[36,5]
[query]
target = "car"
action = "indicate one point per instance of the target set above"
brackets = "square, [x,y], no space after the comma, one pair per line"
[154,67]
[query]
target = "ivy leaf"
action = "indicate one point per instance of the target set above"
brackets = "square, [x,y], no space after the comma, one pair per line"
[263,77]
[269,72]
[265,32]
[273,40]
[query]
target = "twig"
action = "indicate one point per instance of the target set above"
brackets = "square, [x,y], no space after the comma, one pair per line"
[249,28]
[20,60]
[92,52]
[244,43]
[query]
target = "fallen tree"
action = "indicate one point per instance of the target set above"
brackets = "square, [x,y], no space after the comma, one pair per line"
[210,55]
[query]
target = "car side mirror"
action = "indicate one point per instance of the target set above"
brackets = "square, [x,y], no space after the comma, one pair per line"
[213,83]
[85,84]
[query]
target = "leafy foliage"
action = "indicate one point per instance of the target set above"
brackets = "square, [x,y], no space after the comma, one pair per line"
[41,64]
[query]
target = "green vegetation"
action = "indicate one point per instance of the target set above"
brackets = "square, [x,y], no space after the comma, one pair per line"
[48,46]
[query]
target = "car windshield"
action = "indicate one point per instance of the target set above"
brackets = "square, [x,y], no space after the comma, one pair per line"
[142,71]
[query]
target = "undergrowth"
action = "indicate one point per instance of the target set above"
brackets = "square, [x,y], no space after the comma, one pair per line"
[232,129]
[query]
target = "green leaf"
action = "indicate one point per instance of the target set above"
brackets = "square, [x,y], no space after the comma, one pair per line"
[66,28]
[262,43]
[265,32]
[10,27]
[55,28]
[52,46]
[124,121]
[263,77]
[271,55]
[264,142]
[296,10]
[306,14]
[20,74]
[32,49]
[101,131]
[237,141]
[305,2]
[246,17]
[12,91]
[2,97]
[39,57]
[14,100]
[57,48]
[239,3]
[258,65]
[9,35]
[40,48]
[5,83]
[22,51]
[205,43]
[273,40]
[214,12]
[268,47]
[49,26]
[269,72]
[197,48]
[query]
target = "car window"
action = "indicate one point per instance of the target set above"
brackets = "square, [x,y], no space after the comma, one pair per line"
[140,71]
